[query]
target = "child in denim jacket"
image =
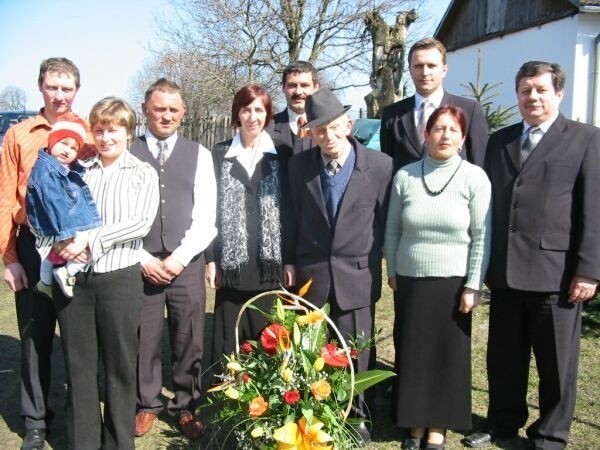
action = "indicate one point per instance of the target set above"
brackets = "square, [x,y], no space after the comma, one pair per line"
[59,203]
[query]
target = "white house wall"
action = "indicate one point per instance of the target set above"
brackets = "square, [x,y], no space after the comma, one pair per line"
[554,42]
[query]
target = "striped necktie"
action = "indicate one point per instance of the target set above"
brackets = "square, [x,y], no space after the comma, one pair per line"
[162,151]
[533,138]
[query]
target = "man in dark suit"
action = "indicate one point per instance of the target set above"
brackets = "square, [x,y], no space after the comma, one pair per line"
[403,123]
[173,262]
[545,258]
[299,80]
[339,192]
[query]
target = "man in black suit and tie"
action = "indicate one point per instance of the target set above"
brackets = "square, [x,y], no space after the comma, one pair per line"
[545,258]
[339,192]
[403,122]
[299,80]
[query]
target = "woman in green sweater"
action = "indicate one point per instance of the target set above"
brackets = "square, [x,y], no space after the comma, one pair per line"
[437,244]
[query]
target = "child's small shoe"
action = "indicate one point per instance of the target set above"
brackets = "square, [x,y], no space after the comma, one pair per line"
[43,289]
[64,280]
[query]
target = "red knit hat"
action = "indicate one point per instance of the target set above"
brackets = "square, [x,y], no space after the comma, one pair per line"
[68,126]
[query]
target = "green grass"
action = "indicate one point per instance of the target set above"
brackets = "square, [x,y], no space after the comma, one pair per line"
[585,432]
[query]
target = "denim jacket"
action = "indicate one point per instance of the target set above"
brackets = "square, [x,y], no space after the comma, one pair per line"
[58,201]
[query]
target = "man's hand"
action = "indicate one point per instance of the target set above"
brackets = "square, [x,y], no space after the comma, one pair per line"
[172,267]
[392,283]
[581,289]
[15,277]
[469,299]
[289,275]
[154,272]
[211,274]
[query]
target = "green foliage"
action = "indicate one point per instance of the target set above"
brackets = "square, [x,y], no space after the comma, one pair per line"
[496,117]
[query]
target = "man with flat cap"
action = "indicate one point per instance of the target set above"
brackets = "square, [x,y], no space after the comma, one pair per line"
[339,192]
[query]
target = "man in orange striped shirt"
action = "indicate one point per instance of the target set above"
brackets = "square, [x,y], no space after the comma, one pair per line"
[58,83]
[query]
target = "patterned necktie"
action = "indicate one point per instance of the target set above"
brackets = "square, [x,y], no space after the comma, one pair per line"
[301,131]
[162,151]
[533,138]
[332,167]
[422,120]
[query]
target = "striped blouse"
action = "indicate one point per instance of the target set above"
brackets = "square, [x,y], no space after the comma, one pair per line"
[127,197]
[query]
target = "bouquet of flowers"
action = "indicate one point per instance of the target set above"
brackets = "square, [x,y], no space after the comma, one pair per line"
[293,388]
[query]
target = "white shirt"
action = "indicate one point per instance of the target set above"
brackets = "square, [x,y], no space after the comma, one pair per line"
[342,159]
[204,212]
[250,157]
[543,126]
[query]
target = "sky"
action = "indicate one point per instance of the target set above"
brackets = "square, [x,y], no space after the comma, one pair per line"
[109,40]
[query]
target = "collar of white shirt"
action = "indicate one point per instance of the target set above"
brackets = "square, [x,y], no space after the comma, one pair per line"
[293,118]
[543,126]
[152,140]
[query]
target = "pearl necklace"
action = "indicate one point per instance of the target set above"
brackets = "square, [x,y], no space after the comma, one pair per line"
[434,193]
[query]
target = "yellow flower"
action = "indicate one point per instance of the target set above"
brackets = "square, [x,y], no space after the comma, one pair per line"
[319,364]
[232,393]
[234,366]
[257,407]
[301,436]
[287,375]
[320,389]
[257,432]
[313,317]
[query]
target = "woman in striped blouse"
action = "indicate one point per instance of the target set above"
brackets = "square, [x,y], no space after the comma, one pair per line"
[437,242]
[100,322]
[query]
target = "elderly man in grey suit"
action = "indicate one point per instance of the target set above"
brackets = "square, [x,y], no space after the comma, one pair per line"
[339,192]
[545,258]
[299,80]
[403,123]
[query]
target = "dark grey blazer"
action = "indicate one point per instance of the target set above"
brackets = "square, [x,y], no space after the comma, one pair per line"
[399,138]
[350,258]
[546,220]
[281,133]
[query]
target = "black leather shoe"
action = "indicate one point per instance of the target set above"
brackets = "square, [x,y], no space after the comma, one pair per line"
[478,439]
[362,434]
[411,443]
[35,439]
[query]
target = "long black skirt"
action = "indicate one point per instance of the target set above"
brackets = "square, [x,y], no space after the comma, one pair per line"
[433,354]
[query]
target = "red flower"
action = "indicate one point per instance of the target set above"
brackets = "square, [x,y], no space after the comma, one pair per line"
[245,377]
[246,347]
[271,337]
[334,356]
[291,397]
[354,353]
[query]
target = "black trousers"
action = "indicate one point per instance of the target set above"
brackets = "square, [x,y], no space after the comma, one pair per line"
[547,323]
[352,323]
[37,323]
[100,323]
[185,300]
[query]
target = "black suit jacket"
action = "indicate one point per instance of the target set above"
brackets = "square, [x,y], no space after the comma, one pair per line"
[399,137]
[546,220]
[350,257]
[281,133]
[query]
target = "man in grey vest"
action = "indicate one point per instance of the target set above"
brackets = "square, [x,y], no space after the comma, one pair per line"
[173,260]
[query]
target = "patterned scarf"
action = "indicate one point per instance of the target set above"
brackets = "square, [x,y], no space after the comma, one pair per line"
[234,231]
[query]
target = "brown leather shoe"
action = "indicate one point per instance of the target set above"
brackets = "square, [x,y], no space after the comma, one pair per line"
[191,427]
[143,422]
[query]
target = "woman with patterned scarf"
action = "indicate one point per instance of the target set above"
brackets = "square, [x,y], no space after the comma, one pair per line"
[248,255]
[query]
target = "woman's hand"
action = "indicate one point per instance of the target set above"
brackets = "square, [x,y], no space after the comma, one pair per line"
[289,275]
[74,249]
[392,283]
[469,299]
[211,274]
